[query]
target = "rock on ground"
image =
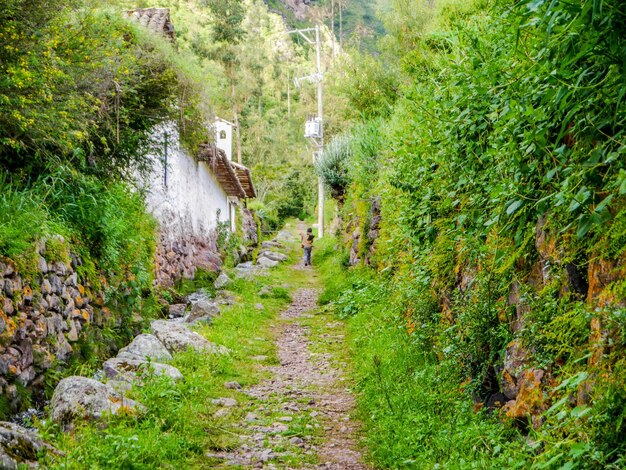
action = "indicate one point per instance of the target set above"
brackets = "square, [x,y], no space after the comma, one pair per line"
[248,270]
[145,346]
[132,370]
[265,291]
[227,402]
[198,296]
[20,446]
[222,281]
[203,309]
[177,337]
[271,244]
[273,255]
[265,262]
[80,397]
[223,297]
[177,310]
[284,236]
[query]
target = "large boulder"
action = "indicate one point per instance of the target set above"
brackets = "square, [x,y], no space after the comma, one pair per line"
[83,398]
[266,262]
[203,310]
[245,266]
[177,310]
[144,347]
[132,370]
[177,337]
[248,270]
[197,296]
[20,447]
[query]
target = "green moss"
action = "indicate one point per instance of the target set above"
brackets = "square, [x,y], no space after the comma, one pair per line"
[57,250]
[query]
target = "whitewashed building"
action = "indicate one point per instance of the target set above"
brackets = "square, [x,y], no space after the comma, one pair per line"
[191,193]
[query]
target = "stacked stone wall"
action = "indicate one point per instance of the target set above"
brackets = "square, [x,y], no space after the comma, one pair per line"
[180,258]
[44,314]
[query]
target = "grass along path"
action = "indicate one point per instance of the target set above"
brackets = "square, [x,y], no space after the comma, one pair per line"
[279,399]
[300,416]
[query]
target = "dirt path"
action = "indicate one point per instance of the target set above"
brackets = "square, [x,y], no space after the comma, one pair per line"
[301,415]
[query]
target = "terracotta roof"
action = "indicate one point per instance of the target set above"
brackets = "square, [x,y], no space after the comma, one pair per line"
[223,170]
[155,19]
[245,178]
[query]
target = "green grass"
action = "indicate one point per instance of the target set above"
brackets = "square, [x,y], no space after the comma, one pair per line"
[24,220]
[179,426]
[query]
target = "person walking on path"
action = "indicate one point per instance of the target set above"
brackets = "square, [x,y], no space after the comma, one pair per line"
[307,244]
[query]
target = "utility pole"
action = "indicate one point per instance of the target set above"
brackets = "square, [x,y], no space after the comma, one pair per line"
[316,137]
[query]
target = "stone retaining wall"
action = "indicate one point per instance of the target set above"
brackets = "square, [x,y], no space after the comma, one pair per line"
[179,258]
[43,315]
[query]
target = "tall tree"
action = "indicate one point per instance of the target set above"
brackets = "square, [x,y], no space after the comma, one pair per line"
[228,32]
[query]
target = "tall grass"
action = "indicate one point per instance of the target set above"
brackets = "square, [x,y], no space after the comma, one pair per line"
[105,222]
[108,218]
[24,220]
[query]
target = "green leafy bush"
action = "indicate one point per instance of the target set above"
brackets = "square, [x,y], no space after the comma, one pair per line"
[108,219]
[332,165]
[87,89]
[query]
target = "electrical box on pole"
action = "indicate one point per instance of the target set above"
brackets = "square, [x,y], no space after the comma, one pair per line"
[313,128]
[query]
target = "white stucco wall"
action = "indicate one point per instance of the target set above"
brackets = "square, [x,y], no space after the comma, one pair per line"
[224,136]
[184,198]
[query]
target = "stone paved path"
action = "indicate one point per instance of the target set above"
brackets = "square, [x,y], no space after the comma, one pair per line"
[305,385]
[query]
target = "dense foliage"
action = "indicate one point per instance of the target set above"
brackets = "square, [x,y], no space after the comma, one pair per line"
[501,170]
[86,87]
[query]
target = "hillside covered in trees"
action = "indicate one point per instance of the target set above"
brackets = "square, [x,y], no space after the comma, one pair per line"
[471,294]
